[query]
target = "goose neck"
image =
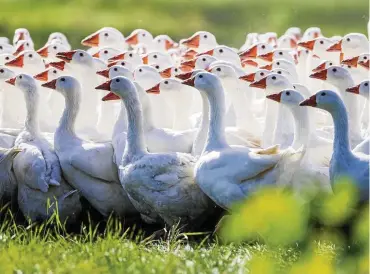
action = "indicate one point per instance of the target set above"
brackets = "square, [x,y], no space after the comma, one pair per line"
[340,119]
[302,127]
[72,106]
[32,105]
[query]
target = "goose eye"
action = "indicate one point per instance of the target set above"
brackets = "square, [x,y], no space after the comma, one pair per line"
[176,69]
[1,47]
[155,56]
[62,79]
[321,42]
[123,63]
[287,93]
[200,76]
[54,71]
[205,36]
[323,94]
[105,52]
[366,84]
[263,46]
[140,70]
[262,73]
[365,58]
[130,55]
[273,77]
[294,87]
[159,40]
[280,53]
[81,54]
[278,63]
[348,40]
[20,76]
[55,48]
[166,82]
[30,55]
[349,67]
[157,67]
[218,69]
[117,80]
[106,34]
[7,58]
[307,51]
[1,71]
[221,51]
[143,35]
[330,64]
[334,70]
[115,69]
[204,59]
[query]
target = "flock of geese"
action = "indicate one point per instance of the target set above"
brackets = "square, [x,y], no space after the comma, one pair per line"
[197,125]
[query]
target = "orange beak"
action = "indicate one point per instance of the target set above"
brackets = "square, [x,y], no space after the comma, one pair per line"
[307,44]
[365,64]
[293,43]
[112,64]
[169,44]
[355,89]
[189,82]
[11,81]
[104,73]
[66,56]
[104,86]
[249,77]
[267,57]
[189,54]
[91,41]
[43,51]
[58,65]
[335,47]
[185,75]
[192,42]
[188,65]
[132,39]
[52,84]
[249,63]
[96,54]
[43,76]
[267,67]
[118,57]
[319,67]
[275,97]
[351,62]
[145,59]
[110,97]
[322,75]
[262,84]
[166,73]
[19,50]
[249,53]
[17,62]
[154,90]
[309,102]
[208,52]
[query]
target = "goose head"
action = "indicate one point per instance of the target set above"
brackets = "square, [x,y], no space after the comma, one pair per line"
[287,41]
[361,89]
[283,64]
[255,76]
[318,45]
[22,46]
[323,65]
[268,37]
[115,71]
[147,76]
[351,45]
[288,97]
[29,60]
[335,75]
[6,57]
[163,42]
[295,32]
[200,40]
[283,72]
[104,37]
[356,60]
[139,36]
[106,53]
[130,56]
[5,74]
[26,84]
[324,99]
[224,53]
[203,62]
[76,57]
[68,86]
[157,57]
[206,83]
[278,54]
[312,33]
[169,87]
[169,72]
[21,34]
[47,75]
[59,37]
[273,82]
[123,63]
[51,49]
[226,73]
[255,50]
[189,74]
[6,48]
[118,87]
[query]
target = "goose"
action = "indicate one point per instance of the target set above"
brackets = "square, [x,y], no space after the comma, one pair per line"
[295,32]
[311,33]
[22,46]
[106,37]
[36,168]
[227,174]
[61,38]
[105,53]
[161,185]
[224,53]
[5,57]
[318,46]
[21,34]
[200,62]
[163,43]
[343,162]
[278,54]
[200,41]
[256,49]
[50,50]
[342,79]
[97,178]
[124,63]
[287,41]
[351,45]
[363,90]
[161,58]
[268,37]
[169,72]
[6,49]
[130,56]
[140,36]
[288,66]
[360,73]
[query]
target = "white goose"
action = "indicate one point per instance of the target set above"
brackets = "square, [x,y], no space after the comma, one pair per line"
[343,162]
[160,185]
[105,37]
[87,166]
[200,41]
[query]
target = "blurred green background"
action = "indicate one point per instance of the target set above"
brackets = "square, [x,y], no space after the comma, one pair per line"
[229,20]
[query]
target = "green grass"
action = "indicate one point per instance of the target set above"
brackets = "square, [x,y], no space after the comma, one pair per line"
[230,20]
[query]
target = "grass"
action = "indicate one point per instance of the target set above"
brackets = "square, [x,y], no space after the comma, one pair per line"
[230,20]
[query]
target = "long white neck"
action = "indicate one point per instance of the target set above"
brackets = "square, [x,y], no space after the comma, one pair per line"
[32,104]
[121,123]
[72,106]
[201,136]
[302,127]
[216,132]
[135,143]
